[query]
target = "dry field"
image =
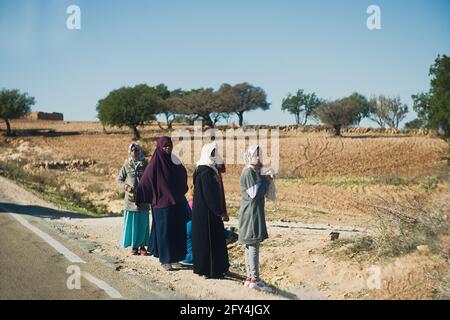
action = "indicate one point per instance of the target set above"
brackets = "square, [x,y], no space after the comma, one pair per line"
[325,183]
[320,175]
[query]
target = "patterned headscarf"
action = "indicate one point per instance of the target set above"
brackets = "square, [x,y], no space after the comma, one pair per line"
[139,158]
[250,154]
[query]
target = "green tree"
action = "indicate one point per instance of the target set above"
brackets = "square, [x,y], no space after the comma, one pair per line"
[338,114]
[13,105]
[129,106]
[440,94]
[421,105]
[204,104]
[163,95]
[363,106]
[302,105]
[414,124]
[241,98]
[170,108]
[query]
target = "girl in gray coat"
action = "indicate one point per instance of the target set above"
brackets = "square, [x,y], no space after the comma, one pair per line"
[252,223]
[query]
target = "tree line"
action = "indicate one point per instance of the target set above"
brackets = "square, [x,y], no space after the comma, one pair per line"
[138,105]
[135,106]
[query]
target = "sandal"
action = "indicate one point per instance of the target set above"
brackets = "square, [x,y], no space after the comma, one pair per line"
[167,266]
[134,252]
[143,251]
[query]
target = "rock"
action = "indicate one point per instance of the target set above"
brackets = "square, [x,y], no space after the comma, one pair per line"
[423,248]
[334,235]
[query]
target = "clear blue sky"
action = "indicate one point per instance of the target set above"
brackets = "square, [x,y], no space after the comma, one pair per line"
[319,46]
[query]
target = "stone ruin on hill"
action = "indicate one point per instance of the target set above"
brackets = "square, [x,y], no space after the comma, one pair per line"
[37,115]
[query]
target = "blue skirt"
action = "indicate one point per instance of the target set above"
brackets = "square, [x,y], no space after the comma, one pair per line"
[136,230]
[168,233]
[188,258]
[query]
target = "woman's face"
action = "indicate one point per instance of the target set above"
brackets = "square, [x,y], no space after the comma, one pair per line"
[134,152]
[256,160]
[167,149]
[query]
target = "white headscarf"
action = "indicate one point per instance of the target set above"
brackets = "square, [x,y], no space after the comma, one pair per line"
[206,159]
[250,154]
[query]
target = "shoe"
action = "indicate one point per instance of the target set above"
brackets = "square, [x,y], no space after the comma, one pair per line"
[188,264]
[247,282]
[143,251]
[134,252]
[260,286]
[167,266]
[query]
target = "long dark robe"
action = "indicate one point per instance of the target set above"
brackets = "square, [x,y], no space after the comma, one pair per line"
[163,185]
[168,233]
[221,169]
[210,255]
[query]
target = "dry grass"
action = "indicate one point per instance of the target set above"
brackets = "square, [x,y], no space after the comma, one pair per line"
[301,154]
[48,185]
[402,226]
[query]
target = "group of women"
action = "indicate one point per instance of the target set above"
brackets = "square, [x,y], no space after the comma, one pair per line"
[181,231]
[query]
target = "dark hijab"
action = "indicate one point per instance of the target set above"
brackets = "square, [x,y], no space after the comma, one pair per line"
[163,183]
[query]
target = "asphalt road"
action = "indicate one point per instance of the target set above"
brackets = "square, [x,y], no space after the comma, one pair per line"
[31,269]
[34,257]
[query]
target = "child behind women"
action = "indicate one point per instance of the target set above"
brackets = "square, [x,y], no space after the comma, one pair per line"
[252,224]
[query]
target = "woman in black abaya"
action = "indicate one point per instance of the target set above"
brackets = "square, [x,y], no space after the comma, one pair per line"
[210,255]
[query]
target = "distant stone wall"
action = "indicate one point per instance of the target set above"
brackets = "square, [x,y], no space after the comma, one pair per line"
[351,130]
[45,116]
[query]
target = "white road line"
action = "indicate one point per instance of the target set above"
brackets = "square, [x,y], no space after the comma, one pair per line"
[113,293]
[72,257]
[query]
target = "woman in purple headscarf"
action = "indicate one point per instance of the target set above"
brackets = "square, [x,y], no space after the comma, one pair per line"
[164,185]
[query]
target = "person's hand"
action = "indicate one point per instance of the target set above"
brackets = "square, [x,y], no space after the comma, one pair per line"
[258,165]
[225,217]
[128,188]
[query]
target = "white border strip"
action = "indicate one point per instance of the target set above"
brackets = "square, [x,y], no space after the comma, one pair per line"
[72,257]
[113,293]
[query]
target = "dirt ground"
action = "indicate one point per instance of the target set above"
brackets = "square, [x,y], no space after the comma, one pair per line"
[323,186]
